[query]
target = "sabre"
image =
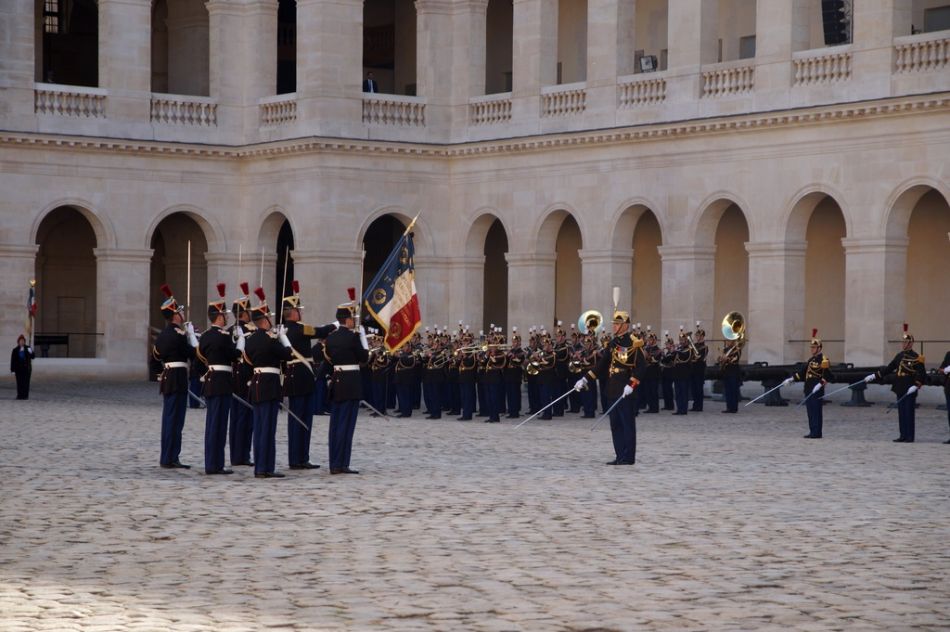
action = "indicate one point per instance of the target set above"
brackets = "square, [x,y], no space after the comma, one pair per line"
[606,414]
[197,399]
[813,391]
[372,408]
[188,297]
[242,401]
[900,399]
[545,408]
[838,390]
[289,412]
[765,393]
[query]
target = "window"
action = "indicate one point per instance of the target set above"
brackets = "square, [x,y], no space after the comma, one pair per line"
[51,17]
[937,19]
[747,47]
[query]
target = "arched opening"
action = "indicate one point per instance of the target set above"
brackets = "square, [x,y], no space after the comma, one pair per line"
[926,290]
[378,242]
[389,45]
[285,262]
[825,277]
[571,41]
[495,303]
[646,273]
[66,285]
[170,245]
[728,31]
[731,289]
[499,30]
[180,47]
[68,33]
[286,46]
[567,274]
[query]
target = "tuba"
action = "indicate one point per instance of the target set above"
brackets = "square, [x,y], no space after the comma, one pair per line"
[733,326]
[591,320]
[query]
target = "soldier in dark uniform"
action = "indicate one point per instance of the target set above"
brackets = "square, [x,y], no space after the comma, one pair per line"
[587,361]
[433,379]
[217,350]
[623,364]
[547,376]
[345,350]
[174,347]
[320,405]
[650,388]
[493,380]
[264,351]
[21,365]
[380,368]
[682,367]
[405,368]
[299,380]
[242,418]
[514,367]
[468,367]
[815,373]
[562,355]
[698,367]
[945,368]
[729,367]
[667,357]
[909,376]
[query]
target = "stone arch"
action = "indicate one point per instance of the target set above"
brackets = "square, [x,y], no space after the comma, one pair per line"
[478,230]
[902,201]
[486,247]
[706,221]
[423,234]
[799,210]
[100,223]
[213,233]
[625,218]
[271,221]
[549,224]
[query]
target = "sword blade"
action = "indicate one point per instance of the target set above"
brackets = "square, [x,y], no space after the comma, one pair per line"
[764,394]
[838,390]
[243,401]
[553,402]
[367,404]
[197,399]
[606,414]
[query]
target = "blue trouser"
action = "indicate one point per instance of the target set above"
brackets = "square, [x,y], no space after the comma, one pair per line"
[681,390]
[342,426]
[651,394]
[404,399]
[194,385]
[445,393]
[946,394]
[697,380]
[216,431]
[666,385]
[534,396]
[455,398]
[559,388]
[433,396]
[416,393]
[298,436]
[173,421]
[730,391]
[320,406]
[493,401]
[481,390]
[545,396]
[813,407]
[467,394]
[604,404]
[906,412]
[575,401]
[241,430]
[265,437]
[379,395]
[391,390]
[623,429]
[589,398]
[513,395]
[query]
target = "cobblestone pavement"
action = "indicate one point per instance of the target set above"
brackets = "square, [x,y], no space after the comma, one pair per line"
[726,522]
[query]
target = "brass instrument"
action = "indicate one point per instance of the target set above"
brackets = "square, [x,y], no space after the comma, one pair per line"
[591,320]
[733,328]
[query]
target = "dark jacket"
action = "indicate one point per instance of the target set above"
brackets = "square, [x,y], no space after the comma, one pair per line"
[263,350]
[943,365]
[908,371]
[242,370]
[623,363]
[343,349]
[25,363]
[812,372]
[216,348]
[172,346]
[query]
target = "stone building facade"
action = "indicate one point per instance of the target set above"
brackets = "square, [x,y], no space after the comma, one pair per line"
[704,155]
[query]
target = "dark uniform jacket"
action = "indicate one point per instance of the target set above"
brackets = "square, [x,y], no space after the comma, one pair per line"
[908,370]
[468,365]
[682,363]
[263,350]
[730,366]
[299,373]
[943,365]
[562,355]
[172,346]
[699,359]
[25,363]
[623,363]
[216,348]
[494,368]
[434,372]
[812,372]
[405,367]
[242,370]
[515,366]
[342,348]
[547,371]
[652,353]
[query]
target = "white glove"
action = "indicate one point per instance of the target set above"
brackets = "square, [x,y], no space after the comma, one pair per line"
[912,390]
[336,324]
[788,381]
[363,340]
[282,336]
[870,378]
[30,350]
[817,386]
[627,390]
[580,384]
[241,341]
[190,330]
[946,370]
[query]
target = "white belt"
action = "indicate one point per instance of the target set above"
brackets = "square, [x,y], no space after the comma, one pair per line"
[267,369]
[176,365]
[347,367]
[298,361]
[220,367]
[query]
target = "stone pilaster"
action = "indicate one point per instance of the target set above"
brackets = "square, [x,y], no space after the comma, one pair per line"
[776,35]
[467,291]
[601,270]
[531,282]
[692,41]
[873,30]
[125,58]
[17,267]
[534,62]
[776,300]
[324,276]
[227,62]
[122,306]
[433,274]
[17,66]
[875,270]
[329,66]
[603,19]
[688,274]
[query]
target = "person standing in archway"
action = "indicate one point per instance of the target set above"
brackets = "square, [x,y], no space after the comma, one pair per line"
[21,365]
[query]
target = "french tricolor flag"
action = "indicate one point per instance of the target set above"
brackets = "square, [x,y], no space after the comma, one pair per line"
[391,298]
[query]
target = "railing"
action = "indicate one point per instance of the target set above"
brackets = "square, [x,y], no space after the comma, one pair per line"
[174,109]
[490,109]
[922,53]
[564,100]
[394,109]
[61,100]
[639,90]
[821,66]
[278,110]
[733,77]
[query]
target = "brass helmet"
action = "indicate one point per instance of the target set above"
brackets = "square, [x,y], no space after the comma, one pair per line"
[907,335]
[815,340]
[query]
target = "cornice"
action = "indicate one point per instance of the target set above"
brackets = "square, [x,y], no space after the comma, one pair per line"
[819,115]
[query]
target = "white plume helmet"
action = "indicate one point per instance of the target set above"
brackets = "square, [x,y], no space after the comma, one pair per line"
[616,296]
[481,332]
[666,332]
[514,328]
[559,323]
[638,325]
[649,327]
[698,323]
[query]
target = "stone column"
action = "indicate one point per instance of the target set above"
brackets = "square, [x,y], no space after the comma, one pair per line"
[329,66]
[122,308]
[17,267]
[601,270]
[228,65]
[433,273]
[534,62]
[125,58]
[324,277]
[261,72]
[531,283]
[688,274]
[188,48]
[776,300]
[873,30]
[467,291]
[603,19]
[875,270]
[779,30]
[692,41]
[17,66]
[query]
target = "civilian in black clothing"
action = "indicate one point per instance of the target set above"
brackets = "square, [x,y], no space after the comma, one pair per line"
[21,365]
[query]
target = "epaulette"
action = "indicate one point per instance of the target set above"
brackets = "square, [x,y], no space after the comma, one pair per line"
[309,330]
[250,327]
[920,358]
[637,343]
[824,363]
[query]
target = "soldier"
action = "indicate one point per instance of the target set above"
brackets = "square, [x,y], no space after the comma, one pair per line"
[493,379]
[908,368]
[263,352]
[242,418]
[945,368]
[433,378]
[174,347]
[623,364]
[698,368]
[405,376]
[345,350]
[217,349]
[380,367]
[468,367]
[299,378]
[650,389]
[815,373]
[682,367]
[514,367]
[547,376]
[587,361]
[667,358]
[562,355]
[729,367]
